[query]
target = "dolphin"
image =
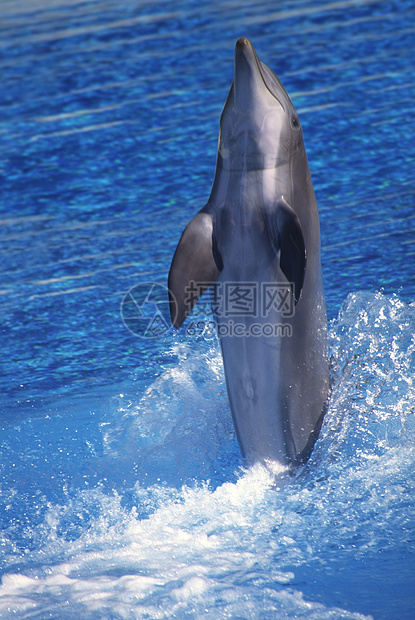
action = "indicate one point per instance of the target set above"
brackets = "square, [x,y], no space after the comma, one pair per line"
[256,243]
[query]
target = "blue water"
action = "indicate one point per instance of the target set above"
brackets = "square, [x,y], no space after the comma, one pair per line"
[123,492]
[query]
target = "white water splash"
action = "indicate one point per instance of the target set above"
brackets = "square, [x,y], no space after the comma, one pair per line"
[239,548]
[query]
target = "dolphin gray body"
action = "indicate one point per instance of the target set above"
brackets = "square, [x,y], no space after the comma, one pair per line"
[257,241]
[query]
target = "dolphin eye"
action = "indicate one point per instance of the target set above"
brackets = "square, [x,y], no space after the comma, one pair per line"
[295,123]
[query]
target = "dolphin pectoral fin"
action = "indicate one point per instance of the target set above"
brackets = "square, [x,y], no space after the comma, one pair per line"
[193,268]
[291,243]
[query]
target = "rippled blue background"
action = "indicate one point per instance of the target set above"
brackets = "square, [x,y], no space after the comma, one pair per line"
[108,134]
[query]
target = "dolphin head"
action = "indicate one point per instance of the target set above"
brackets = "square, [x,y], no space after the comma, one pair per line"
[259,126]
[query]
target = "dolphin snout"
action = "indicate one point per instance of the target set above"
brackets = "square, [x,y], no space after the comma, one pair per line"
[248,82]
[243,48]
[242,41]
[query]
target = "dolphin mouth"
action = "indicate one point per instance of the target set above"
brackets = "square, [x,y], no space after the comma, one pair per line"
[244,49]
